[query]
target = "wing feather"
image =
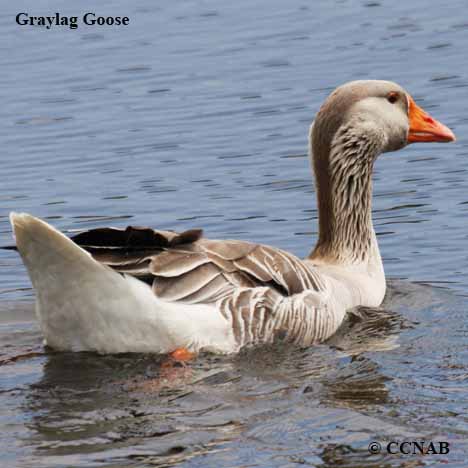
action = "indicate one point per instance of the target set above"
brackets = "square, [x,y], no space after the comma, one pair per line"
[228,249]
[175,263]
[183,264]
[186,284]
[263,292]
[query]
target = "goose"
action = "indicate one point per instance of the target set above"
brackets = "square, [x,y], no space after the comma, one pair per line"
[136,289]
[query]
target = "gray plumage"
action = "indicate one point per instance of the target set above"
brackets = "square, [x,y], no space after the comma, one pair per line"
[222,295]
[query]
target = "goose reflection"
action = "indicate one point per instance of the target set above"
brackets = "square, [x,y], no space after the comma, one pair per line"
[86,402]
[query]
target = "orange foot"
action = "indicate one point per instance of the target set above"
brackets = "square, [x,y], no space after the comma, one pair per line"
[182,355]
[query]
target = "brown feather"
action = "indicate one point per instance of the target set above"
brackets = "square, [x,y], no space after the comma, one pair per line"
[229,249]
[244,278]
[171,289]
[174,263]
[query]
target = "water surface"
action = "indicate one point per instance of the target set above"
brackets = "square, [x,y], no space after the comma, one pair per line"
[196,115]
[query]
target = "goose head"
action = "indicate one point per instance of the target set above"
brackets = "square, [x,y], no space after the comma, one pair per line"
[380,112]
[357,122]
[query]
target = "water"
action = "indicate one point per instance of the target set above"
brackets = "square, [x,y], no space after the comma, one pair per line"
[196,115]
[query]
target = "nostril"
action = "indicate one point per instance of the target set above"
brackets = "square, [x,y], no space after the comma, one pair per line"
[429,120]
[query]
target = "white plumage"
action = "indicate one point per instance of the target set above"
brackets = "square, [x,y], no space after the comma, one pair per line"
[142,290]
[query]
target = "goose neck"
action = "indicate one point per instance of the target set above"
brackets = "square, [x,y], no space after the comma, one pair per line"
[343,174]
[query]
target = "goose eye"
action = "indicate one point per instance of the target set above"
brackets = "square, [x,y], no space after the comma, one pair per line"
[392,97]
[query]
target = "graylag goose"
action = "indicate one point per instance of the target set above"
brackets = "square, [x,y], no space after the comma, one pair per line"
[142,290]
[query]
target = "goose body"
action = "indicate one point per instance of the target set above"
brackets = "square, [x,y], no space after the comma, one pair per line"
[143,290]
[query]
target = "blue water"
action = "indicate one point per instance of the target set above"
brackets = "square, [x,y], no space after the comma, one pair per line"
[196,115]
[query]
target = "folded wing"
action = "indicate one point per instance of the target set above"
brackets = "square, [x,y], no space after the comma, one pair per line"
[262,291]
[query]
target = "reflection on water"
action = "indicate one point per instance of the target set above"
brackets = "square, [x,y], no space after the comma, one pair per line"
[384,376]
[196,115]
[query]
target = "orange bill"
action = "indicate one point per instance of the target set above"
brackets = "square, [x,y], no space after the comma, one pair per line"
[424,128]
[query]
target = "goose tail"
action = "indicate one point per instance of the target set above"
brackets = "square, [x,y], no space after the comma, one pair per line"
[81,304]
[44,249]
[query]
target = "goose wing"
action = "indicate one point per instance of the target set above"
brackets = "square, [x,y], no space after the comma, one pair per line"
[189,268]
[263,291]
